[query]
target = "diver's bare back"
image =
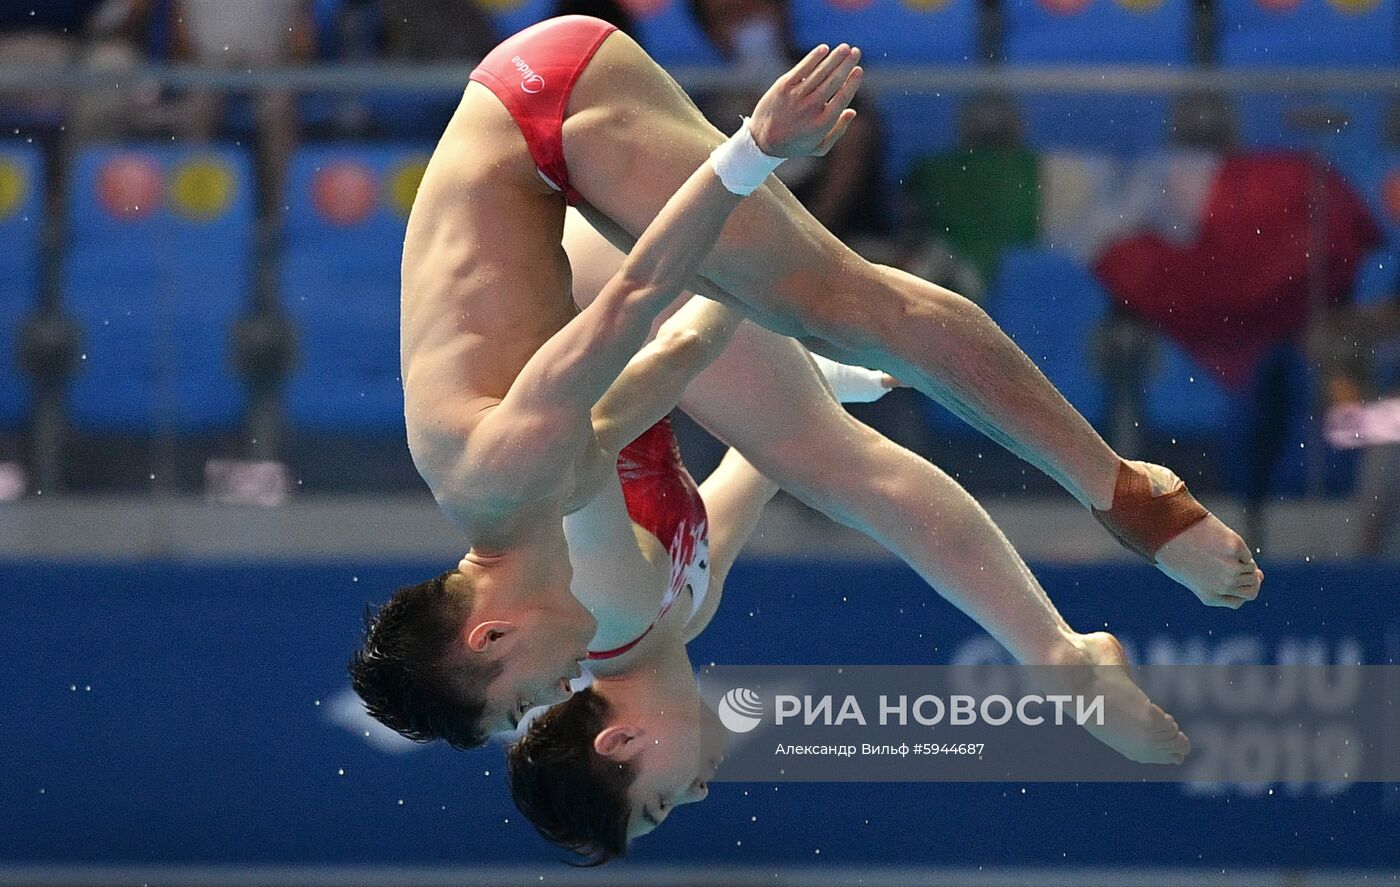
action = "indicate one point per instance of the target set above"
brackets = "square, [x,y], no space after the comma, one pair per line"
[485,281]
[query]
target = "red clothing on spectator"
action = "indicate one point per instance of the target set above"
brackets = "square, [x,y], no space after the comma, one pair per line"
[1242,287]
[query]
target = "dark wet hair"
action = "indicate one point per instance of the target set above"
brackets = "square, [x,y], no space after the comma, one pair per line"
[573,796]
[414,674]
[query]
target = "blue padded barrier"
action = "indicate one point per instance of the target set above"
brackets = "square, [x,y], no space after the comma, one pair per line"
[210,721]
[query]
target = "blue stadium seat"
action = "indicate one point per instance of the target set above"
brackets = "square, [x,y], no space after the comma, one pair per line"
[21,228]
[1182,398]
[1379,181]
[1377,280]
[347,209]
[892,31]
[1311,33]
[664,29]
[159,268]
[1097,32]
[899,32]
[1050,305]
[511,18]
[1282,121]
[670,35]
[915,125]
[1124,125]
[1377,177]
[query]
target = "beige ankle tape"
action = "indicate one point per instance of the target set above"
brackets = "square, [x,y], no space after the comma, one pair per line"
[1142,522]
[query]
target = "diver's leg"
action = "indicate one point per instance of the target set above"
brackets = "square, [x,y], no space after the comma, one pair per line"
[764,396]
[632,136]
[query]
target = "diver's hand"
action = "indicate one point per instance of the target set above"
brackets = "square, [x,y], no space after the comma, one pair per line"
[806,110]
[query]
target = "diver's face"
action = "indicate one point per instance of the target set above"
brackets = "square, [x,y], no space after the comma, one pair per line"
[539,650]
[674,767]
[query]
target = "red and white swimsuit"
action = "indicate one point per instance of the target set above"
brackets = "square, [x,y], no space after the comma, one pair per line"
[533,73]
[662,499]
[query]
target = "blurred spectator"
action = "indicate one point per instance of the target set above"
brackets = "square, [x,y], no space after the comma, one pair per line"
[406,31]
[249,34]
[611,11]
[1360,352]
[845,190]
[54,34]
[434,30]
[42,34]
[970,205]
[1239,293]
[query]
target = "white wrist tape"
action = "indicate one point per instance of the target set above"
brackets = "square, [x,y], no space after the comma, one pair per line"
[739,163]
[852,384]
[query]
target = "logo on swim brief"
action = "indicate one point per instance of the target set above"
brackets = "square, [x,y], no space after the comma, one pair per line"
[740,710]
[530,82]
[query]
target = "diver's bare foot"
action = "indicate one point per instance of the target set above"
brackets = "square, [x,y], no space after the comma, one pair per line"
[1208,557]
[1133,725]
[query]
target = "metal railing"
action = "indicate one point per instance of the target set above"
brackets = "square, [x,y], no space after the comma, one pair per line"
[1091,79]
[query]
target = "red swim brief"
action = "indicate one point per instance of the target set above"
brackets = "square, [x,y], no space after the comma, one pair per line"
[533,73]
